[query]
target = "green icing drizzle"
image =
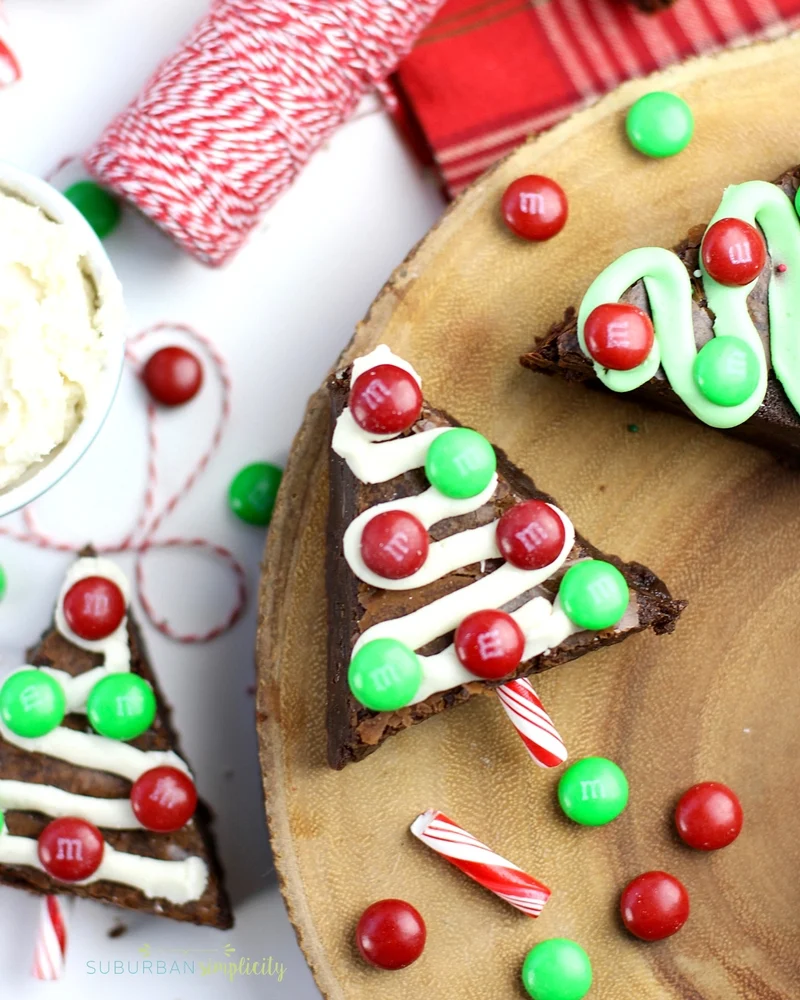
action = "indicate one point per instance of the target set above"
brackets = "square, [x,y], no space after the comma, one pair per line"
[670,293]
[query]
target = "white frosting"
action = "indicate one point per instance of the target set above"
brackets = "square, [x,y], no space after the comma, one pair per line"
[372,461]
[445,556]
[96,752]
[543,624]
[113,814]
[178,881]
[51,344]
[375,458]
[115,647]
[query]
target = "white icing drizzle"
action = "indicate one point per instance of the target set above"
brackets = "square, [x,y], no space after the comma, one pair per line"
[179,881]
[544,625]
[96,752]
[445,556]
[113,814]
[376,458]
[115,647]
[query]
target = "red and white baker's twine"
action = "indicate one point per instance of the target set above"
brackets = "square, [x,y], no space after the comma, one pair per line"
[535,727]
[51,940]
[141,539]
[480,863]
[225,124]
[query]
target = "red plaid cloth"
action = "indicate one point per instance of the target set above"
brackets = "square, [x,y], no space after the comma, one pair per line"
[486,74]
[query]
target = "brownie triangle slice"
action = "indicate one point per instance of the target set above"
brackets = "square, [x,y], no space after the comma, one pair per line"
[418,614]
[747,385]
[70,771]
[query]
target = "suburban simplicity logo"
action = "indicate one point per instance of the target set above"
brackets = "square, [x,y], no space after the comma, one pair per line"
[190,963]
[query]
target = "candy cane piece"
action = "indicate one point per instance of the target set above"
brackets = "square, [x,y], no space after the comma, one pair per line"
[480,863]
[535,727]
[51,940]
[10,70]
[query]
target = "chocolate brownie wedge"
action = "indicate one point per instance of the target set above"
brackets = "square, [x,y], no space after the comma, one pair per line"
[60,775]
[413,552]
[724,307]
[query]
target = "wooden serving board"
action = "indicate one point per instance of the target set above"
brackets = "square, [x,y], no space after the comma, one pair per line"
[718,700]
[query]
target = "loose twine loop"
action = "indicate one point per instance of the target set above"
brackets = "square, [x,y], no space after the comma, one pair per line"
[141,539]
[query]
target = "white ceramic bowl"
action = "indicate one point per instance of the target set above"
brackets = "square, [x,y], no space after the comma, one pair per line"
[45,474]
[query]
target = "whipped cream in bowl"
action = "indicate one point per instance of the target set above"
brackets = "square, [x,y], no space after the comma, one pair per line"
[62,337]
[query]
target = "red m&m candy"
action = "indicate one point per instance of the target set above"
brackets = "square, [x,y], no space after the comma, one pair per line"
[385,400]
[163,799]
[390,934]
[535,207]
[734,252]
[530,535]
[70,849]
[654,906]
[489,644]
[709,816]
[618,336]
[394,544]
[94,608]
[173,376]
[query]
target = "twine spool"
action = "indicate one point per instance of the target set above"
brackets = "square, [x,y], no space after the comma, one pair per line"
[226,123]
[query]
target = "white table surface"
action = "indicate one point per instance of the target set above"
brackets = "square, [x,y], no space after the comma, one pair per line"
[280,313]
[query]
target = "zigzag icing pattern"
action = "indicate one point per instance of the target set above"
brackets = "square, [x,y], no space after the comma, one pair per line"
[373,460]
[669,290]
[179,881]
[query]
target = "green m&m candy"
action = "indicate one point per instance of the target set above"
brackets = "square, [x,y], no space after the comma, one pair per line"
[385,675]
[2,821]
[593,791]
[3,583]
[251,495]
[726,371]
[594,594]
[121,706]
[32,703]
[557,969]
[659,124]
[99,207]
[460,463]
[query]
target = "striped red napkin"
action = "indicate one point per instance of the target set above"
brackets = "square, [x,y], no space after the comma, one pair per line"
[486,74]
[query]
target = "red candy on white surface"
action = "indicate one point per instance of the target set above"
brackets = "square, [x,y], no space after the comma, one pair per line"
[394,544]
[94,608]
[709,816]
[70,849]
[734,252]
[530,535]
[390,934]
[173,376]
[489,644]
[535,207]
[385,400]
[163,799]
[618,335]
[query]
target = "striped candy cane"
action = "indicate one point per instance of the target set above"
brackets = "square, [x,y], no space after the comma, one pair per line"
[10,71]
[479,863]
[533,724]
[51,941]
